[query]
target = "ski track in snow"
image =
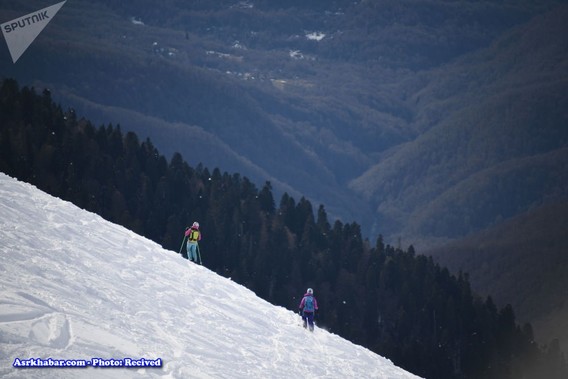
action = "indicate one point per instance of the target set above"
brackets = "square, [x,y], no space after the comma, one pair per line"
[73,286]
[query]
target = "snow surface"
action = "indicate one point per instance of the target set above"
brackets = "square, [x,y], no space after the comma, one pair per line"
[76,287]
[315,36]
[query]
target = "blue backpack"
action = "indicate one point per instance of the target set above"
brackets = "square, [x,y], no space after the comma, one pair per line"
[309,304]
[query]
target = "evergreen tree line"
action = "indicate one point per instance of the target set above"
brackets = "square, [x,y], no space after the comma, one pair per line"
[394,302]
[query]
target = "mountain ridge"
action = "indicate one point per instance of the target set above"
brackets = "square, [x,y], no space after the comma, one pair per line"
[475,137]
[520,261]
[224,68]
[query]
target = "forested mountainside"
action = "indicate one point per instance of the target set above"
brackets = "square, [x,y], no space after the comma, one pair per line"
[522,262]
[381,110]
[494,139]
[396,303]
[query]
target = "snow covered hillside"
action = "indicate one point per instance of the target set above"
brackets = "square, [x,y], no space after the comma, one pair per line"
[76,289]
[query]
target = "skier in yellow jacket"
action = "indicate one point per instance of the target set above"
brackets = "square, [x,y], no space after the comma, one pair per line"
[193,236]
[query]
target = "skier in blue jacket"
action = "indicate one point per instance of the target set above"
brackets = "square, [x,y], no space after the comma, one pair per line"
[308,307]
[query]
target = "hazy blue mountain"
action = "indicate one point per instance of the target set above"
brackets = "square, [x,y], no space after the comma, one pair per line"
[521,262]
[418,120]
[492,138]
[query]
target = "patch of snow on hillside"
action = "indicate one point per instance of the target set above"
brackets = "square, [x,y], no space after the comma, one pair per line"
[238,45]
[315,36]
[136,21]
[296,54]
[243,5]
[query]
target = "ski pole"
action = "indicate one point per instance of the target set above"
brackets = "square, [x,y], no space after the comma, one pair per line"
[182,242]
[199,254]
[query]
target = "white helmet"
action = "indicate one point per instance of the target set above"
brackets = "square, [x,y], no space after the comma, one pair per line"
[195,225]
[310,291]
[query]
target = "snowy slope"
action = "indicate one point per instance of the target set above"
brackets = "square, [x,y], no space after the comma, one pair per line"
[76,287]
